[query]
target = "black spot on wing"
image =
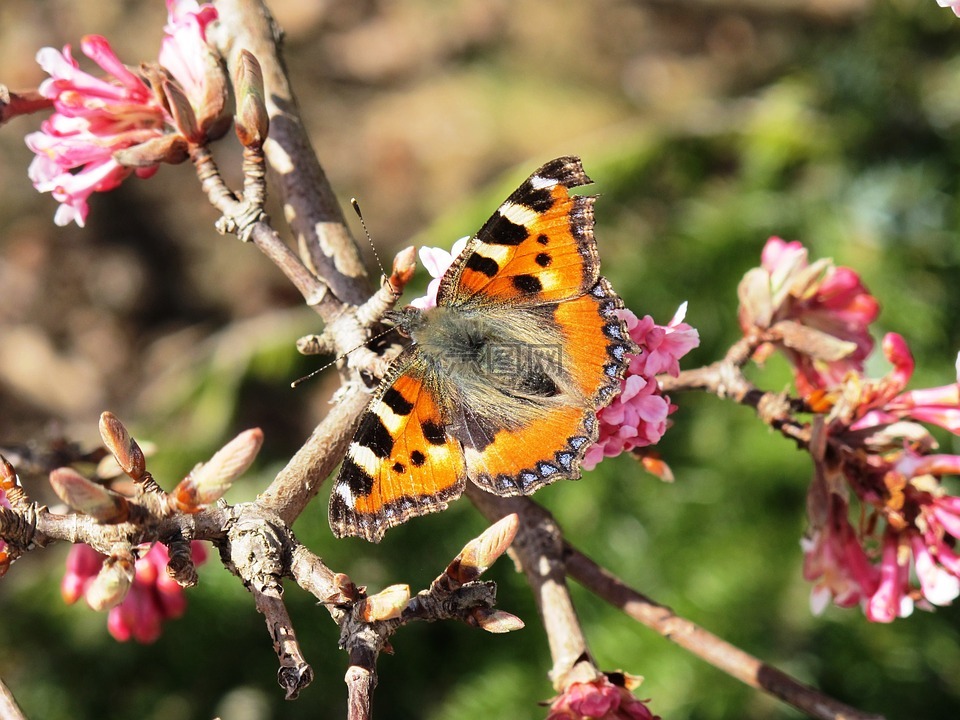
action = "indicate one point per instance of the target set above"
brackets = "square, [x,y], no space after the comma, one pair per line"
[538,200]
[394,400]
[483,265]
[544,260]
[434,433]
[543,239]
[527,283]
[499,230]
[417,458]
[355,477]
[373,434]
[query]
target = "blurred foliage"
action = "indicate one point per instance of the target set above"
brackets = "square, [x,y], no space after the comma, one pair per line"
[708,125]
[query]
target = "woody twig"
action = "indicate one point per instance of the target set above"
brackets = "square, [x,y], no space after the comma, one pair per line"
[368,621]
[539,549]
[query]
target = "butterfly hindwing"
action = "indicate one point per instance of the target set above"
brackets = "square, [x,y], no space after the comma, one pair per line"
[550,445]
[537,247]
[402,461]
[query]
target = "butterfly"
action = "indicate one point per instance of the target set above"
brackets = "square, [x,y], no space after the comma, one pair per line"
[502,380]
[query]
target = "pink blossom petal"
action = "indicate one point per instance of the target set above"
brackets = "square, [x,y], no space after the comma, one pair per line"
[938,586]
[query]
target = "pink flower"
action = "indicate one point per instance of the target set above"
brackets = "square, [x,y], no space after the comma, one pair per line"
[598,699]
[153,597]
[836,560]
[78,148]
[437,261]
[637,417]
[892,597]
[878,451]
[184,52]
[952,4]
[94,118]
[816,314]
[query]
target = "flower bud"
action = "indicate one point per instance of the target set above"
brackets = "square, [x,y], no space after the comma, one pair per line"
[386,604]
[112,583]
[494,621]
[252,121]
[124,448]
[481,552]
[88,497]
[170,149]
[209,481]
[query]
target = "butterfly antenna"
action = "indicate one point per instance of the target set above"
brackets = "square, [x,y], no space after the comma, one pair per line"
[319,370]
[356,208]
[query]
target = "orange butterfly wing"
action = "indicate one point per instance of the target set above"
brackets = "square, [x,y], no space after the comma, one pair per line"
[519,461]
[534,268]
[537,248]
[401,463]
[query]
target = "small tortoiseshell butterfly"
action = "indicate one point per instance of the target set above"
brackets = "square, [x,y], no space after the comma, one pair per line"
[502,381]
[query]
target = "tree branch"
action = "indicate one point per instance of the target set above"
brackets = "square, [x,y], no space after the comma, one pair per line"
[309,204]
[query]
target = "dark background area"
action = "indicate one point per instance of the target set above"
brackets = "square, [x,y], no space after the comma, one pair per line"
[708,125]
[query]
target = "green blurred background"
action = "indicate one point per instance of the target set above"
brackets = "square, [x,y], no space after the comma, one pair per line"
[708,125]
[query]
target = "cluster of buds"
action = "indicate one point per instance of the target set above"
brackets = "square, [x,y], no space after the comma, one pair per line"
[139,593]
[883,529]
[104,129]
[142,585]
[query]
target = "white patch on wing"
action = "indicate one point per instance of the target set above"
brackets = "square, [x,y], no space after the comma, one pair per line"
[365,459]
[343,490]
[500,254]
[391,421]
[540,183]
[519,214]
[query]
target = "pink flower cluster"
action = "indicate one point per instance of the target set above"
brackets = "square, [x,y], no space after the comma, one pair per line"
[95,118]
[910,525]
[599,699]
[637,417]
[817,314]
[883,530]
[153,597]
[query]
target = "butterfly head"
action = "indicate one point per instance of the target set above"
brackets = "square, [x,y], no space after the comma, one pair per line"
[406,320]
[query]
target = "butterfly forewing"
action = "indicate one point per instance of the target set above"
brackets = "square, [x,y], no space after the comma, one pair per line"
[537,247]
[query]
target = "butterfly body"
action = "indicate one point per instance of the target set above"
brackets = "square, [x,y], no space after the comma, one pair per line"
[502,380]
